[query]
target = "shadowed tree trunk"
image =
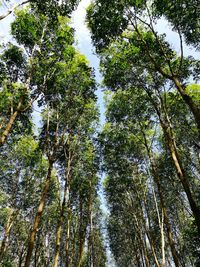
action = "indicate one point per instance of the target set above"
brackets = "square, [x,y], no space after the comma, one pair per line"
[61,219]
[41,206]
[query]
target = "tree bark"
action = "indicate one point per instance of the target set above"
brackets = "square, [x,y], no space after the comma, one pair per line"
[171,144]
[9,125]
[189,102]
[41,206]
[170,139]
[164,209]
[68,259]
[6,235]
[61,219]
[81,233]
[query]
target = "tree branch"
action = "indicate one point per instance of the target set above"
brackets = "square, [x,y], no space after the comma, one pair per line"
[12,9]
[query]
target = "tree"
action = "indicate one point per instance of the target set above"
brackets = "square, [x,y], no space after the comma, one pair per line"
[54,209]
[141,186]
[109,21]
[51,8]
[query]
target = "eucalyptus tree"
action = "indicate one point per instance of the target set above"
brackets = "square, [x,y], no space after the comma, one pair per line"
[27,71]
[45,68]
[123,66]
[142,187]
[22,170]
[109,21]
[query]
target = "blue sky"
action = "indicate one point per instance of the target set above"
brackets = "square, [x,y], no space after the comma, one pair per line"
[85,46]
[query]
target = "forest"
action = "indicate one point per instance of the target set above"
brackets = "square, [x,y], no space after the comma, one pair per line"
[58,163]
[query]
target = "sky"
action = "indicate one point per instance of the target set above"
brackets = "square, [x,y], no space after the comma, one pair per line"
[85,46]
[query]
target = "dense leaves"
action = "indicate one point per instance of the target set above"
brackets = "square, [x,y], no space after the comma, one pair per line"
[147,150]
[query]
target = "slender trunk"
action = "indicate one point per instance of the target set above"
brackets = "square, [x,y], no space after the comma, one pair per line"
[61,219]
[142,242]
[68,260]
[162,202]
[21,256]
[153,250]
[148,233]
[91,240]
[6,235]
[162,239]
[167,224]
[58,240]
[38,215]
[9,125]
[171,143]
[170,139]
[81,232]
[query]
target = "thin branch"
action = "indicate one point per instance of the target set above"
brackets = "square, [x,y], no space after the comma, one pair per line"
[181,46]
[12,9]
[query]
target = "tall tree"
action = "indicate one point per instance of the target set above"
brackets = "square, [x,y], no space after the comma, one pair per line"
[109,21]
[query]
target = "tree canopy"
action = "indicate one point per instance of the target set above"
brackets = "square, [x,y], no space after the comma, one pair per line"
[73,192]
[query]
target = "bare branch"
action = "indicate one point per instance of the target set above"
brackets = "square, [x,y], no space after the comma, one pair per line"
[12,9]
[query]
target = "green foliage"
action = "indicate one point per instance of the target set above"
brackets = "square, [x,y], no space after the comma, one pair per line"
[184,17]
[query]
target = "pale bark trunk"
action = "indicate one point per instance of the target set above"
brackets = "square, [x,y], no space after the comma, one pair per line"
[91,239]
[170,139]
[61,219]
[81,233]
[9,125]
[68,259]
[6,235]
[162,239]
[164,210]
[38,215]
[142,242]
[171,144]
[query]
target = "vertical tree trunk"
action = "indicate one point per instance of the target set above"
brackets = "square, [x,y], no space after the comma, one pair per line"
[61,219]
[91,239]
[6,235]
[162,202]
[68,259]
[162,239]
[189,102]
[81,232]
[170,139]
[38,215]
[171,144]
[9,125]
[142,241]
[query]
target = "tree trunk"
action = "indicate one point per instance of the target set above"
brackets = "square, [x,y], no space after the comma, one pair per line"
[142,241]
[81,233]
[61,219]
[68,260]
[162,202]
[170,139]
[9,125]
[171,143]
[189,102]
[38,215]
[91,238]
[6,235]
